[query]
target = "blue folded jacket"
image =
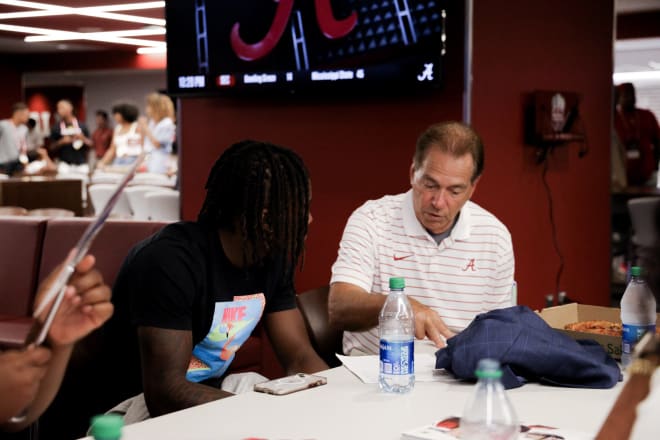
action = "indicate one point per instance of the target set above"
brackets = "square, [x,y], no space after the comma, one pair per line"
[528,350]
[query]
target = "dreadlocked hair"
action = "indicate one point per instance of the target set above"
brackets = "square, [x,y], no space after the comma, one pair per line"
[263,190]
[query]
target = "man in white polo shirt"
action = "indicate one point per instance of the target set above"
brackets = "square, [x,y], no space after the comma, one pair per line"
[456,257]
[13,145]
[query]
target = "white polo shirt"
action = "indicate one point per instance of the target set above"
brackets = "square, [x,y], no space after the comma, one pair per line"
[468,273]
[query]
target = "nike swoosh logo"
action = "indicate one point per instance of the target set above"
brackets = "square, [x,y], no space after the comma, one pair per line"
[403,257]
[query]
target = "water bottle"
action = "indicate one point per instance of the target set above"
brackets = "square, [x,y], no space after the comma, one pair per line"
[489,415]
[107,427]
[637,313]
[396,329]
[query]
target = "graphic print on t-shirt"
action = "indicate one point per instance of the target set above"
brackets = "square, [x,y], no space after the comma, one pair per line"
[233,322]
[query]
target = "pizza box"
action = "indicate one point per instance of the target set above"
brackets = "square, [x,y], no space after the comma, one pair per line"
[557,317]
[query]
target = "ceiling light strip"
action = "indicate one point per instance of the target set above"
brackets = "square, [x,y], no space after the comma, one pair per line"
[79,36]
[106,8]
[31,14]
[116,7]
[93,11]
[126,33]
[151,50]
[129,6]
[121,40]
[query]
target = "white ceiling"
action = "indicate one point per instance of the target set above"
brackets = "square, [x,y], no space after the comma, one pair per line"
[13,45]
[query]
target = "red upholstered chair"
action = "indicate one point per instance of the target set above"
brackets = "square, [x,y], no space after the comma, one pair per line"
[20,248]
[110,247]
[14,330]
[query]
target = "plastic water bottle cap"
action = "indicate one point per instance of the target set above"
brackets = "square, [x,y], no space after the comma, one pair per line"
[634,271]
[107,426]
[397,283]
[488,369]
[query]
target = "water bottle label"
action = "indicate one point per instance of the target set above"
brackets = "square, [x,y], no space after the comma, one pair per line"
[632,334]
[397,357]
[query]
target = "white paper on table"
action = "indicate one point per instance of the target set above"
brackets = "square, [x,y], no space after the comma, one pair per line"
[366,368]
[435,431]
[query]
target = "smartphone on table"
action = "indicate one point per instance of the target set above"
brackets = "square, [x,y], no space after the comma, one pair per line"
[290,384]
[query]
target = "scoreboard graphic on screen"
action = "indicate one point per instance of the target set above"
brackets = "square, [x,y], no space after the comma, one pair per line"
[222,43]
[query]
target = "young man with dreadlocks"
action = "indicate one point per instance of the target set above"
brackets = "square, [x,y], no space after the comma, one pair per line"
[195,291]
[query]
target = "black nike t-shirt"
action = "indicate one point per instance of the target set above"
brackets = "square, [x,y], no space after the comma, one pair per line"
[180,279]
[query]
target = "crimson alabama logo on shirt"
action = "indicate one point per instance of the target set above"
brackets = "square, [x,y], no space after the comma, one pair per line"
[471,266]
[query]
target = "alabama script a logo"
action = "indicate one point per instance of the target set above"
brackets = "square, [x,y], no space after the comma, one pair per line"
[329,25]
[470,266]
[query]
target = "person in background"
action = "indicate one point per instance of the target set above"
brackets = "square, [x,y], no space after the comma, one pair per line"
[158,132]
[13,143]
[456,257]
[69,137]
[192,294]
[30,377]
[639,132]
[618,178]
[39,160]
[34,138]
[102,136]
[126,143]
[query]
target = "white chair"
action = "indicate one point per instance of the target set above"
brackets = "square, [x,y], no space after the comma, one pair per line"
[100,193]
[137,201]
[65,168]
[105,177]
[163,205]
[152,179]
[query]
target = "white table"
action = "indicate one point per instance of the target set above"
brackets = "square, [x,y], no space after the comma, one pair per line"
[346,408]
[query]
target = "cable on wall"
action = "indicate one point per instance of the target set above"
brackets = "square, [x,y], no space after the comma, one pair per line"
[553,225]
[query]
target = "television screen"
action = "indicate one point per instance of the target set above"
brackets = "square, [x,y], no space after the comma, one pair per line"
[225,46]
